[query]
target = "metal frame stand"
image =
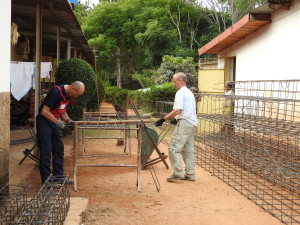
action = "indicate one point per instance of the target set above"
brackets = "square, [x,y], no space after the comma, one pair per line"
[106,125]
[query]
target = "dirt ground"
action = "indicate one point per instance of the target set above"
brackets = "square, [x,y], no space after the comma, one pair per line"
[115,200]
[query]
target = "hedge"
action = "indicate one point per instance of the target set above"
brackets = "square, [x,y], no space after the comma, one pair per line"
[145,99]
[77,70]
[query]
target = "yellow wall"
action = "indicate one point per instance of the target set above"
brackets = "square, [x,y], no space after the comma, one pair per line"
[207,105]
[211,81]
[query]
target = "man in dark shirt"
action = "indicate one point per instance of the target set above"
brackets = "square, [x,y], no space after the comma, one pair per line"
[50,121]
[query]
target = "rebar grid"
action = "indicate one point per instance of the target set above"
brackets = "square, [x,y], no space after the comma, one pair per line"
[282,89]
[254,146]
[103,116]
[163,108]
[33,205]
[121,125]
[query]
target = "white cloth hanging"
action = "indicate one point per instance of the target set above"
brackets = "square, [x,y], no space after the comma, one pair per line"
[46,67]
[21,79]
[27,63]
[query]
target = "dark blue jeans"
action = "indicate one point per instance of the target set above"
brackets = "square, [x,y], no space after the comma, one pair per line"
[49,138]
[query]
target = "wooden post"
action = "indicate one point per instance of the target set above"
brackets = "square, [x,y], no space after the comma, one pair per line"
[58,46]
[75,147]
[68,49]
[96,74]
[38,53]
[139,157]
[38,44]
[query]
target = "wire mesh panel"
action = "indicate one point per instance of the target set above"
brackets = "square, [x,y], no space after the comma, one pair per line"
[34,205]
[254,146]
[163,108]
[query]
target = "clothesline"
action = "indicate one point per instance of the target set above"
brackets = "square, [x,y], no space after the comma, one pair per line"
[46,67]
[22,76]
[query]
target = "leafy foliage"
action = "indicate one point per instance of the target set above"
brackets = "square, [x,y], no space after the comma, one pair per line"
[172,65]
[115,95]
[93,103]
[146,78]
[222,14]
[146,99]
[134,35]
[77,70]
[81,11]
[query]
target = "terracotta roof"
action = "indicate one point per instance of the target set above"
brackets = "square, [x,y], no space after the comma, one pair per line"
[247,25]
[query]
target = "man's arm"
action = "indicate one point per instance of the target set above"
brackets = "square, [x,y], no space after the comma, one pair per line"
[65,117]
[172,114]
[49,116]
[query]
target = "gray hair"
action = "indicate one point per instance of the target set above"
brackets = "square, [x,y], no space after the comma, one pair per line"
[77,85]
[180,76]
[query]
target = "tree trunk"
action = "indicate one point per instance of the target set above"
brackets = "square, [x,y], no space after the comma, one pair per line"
[119,76]
[176,22]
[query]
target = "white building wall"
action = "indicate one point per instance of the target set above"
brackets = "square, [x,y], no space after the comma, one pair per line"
[271,53]
[5,12]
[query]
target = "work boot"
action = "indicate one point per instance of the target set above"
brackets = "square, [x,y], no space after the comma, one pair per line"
[69,181]
[63,178]
[189,178]
[173,178]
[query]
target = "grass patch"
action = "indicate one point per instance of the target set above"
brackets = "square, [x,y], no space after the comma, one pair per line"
[102,133]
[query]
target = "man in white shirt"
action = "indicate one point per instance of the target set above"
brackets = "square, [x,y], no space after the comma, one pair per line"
[182,143]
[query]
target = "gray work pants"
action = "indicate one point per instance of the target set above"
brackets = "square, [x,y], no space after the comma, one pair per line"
[182,145]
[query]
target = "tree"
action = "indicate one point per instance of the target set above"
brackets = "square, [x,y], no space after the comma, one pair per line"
[223,13]
[134,35]
[82,10]
[172,65]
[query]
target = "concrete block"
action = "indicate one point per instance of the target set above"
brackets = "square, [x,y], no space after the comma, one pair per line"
[78,211]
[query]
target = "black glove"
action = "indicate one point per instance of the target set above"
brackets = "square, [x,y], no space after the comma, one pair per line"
[61,124]
[173,121]
[70,122]
[159,122]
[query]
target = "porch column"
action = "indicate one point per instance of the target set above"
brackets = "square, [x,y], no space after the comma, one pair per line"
[38,44]
[68,49]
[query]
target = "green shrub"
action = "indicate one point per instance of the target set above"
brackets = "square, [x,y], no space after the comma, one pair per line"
[77,70]
[115,95]
[146,78]
[145,99]
[110,94]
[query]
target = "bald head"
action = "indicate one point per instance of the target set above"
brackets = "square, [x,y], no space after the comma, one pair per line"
[77,85]
[180,76]
[179,80]
[76,89]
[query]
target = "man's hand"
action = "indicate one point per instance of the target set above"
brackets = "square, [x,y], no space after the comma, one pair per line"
[159,122]
[61,124]
[173,121]
[70,122]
